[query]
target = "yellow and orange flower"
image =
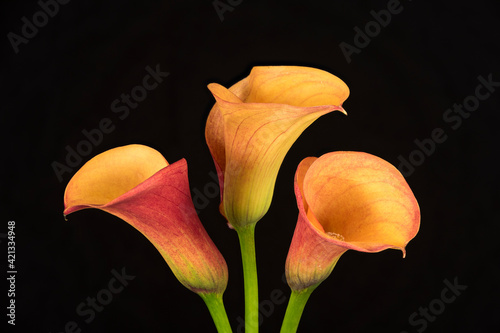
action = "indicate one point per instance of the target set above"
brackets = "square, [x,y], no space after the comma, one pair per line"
[253,125]
[347,200]
[136,184]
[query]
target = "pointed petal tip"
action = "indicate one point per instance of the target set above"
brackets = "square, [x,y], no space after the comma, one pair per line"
[210,86]
[221,94]
[215,88]
[69,210]
[404,251]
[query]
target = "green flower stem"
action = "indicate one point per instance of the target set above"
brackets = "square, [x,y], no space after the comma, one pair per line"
[216,307]
[247,244]
[294,310]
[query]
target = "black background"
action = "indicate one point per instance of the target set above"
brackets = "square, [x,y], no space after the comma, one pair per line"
[66,77]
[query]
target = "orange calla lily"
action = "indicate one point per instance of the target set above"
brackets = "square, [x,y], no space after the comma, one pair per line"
[253,125]
[347,200]
[136,184]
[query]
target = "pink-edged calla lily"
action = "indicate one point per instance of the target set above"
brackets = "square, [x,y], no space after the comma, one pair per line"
[253,125]
[347,201]
[136,184]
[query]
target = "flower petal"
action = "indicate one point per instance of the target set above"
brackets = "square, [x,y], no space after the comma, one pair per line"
[311,257]
[294,85]
[257,137]
[347,200]
[254,123]
[363,198]
[160,207]
[111,174]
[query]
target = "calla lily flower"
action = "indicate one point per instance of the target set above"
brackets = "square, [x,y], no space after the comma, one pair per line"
[136,184]
[253,125]
[347,201]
